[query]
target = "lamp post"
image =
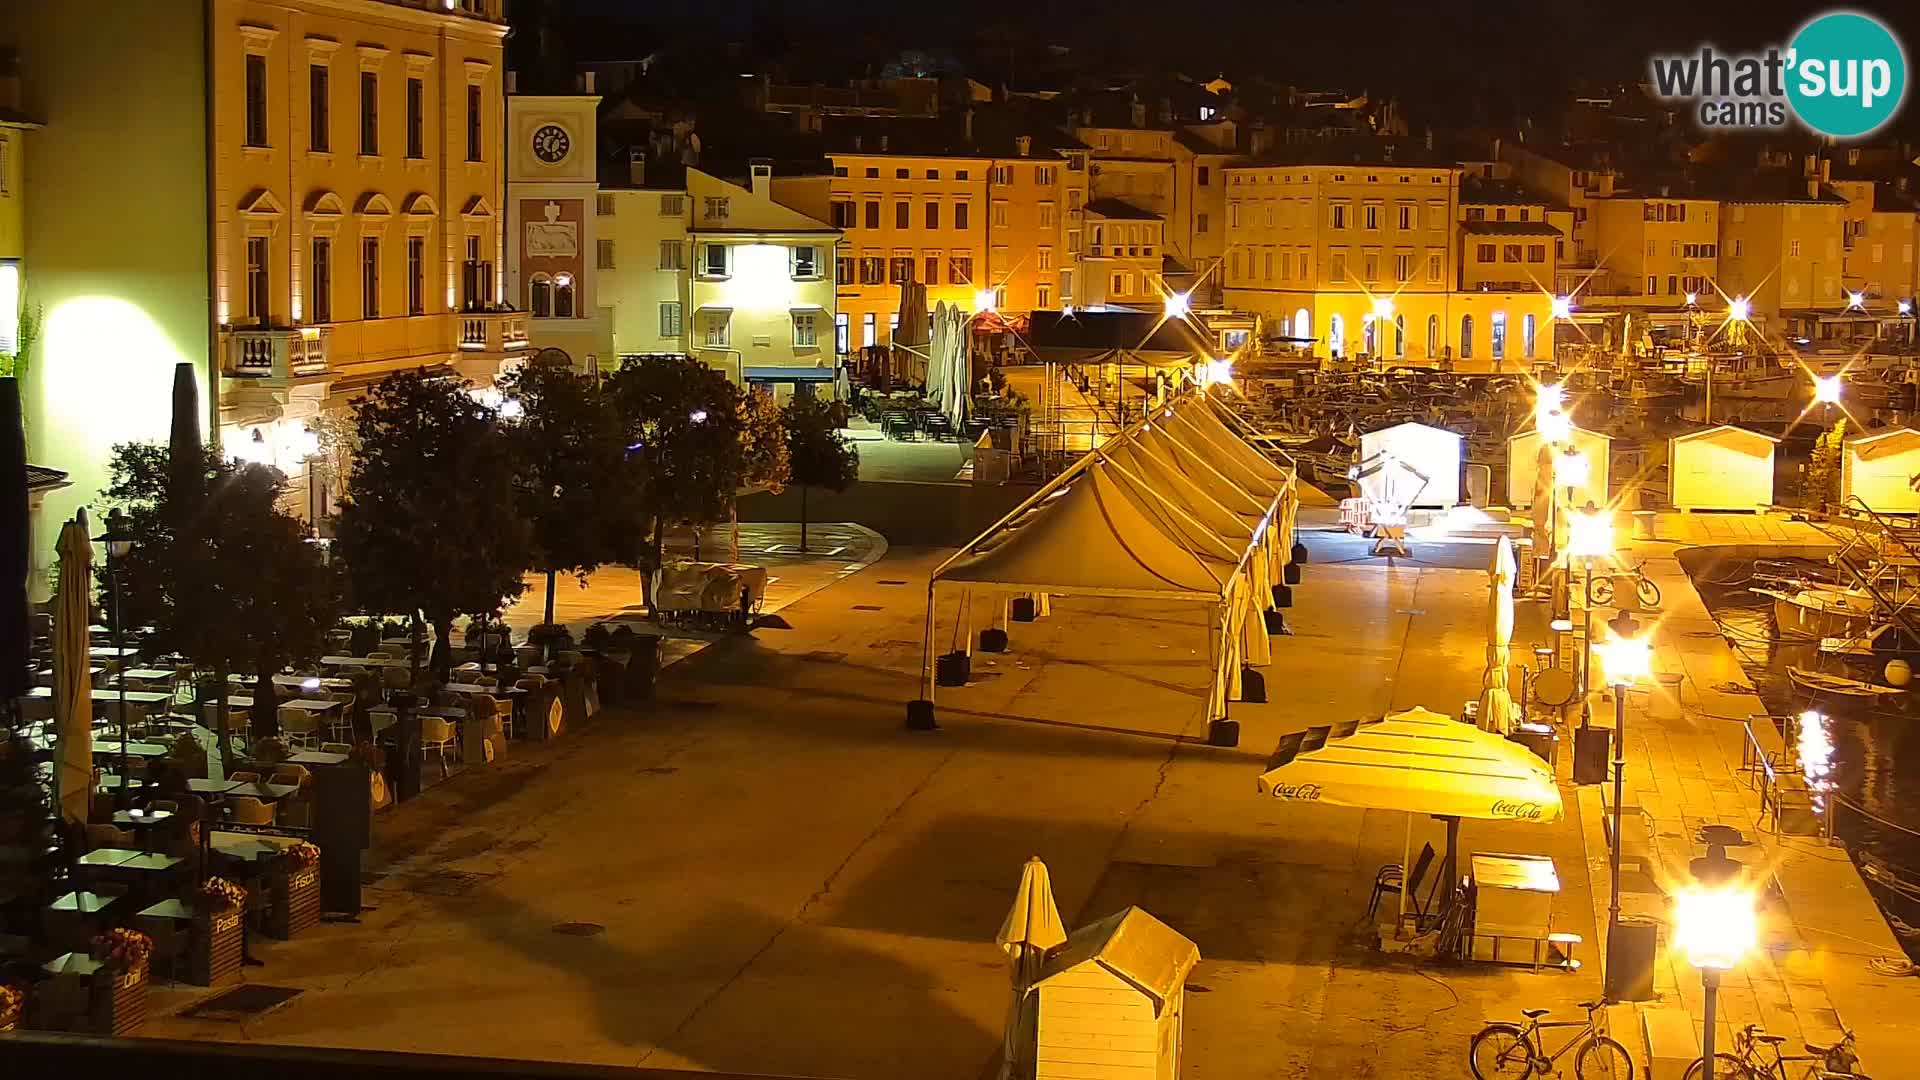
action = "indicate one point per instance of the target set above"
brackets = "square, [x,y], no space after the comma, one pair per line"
[118,542]
[1826,392]
[1628,657]
[1589,537]
[1715,927]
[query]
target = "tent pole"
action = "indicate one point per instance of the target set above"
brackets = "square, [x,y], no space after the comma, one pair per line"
[926,646]
[1406,875]
[966,601]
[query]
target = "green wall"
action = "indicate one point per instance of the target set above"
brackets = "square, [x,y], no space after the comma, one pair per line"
[116,252]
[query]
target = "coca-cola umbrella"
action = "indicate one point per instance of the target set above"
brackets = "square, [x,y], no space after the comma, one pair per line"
[1418,762]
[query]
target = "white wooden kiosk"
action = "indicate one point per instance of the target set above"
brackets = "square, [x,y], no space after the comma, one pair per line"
[1431,452]
[1882,469]
[1111,999]
[1721,468]
[1523,457]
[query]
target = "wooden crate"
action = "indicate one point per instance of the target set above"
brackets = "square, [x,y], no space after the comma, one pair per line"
[293,900]
[214,948]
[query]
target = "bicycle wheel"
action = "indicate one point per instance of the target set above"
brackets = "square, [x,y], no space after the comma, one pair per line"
[1649,593]
[1499,1050]
[1603,1059]
[1725,1067]
[1600,591]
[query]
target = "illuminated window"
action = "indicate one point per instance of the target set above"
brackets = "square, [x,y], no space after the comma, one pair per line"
[1526,336]
[257,285]
[866,330]
[370,277]
[893,326]
[1336,334]
[416,119]
[477,277]
[1433,335]
[1499,322]
[370,113]
[256,99]
[1466,337]
[670,319]
[319,137]
[320,281]
[416,275]
[9,307]
[806,334]
[563,296]
[475,125]
[842,334]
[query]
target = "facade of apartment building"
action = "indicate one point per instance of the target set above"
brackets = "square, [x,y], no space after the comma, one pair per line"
[1783,255]
[645,288]
[315,205]
[1653,251]
[1880,233]
[1037,224]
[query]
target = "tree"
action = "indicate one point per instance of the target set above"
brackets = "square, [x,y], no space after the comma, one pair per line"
[682,421]
[429,525]
[578,491]
[763,439]
[1823,466]
[818,454]
[222,573]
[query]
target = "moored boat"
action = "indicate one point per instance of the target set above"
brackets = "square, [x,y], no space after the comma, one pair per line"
[1820,611]
[1819,682]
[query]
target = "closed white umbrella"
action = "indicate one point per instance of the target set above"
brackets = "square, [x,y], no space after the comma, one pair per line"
[1496,703]
[1031,930]
[72,670]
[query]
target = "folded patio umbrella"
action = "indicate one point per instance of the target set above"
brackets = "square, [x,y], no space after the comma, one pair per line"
[72,670]
[1031,930]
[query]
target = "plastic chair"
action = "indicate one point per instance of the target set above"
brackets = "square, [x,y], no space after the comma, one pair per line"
[247,810]
[1392,878]
[379,654]
[297,775]
[486,680]
[299,727]
[244,777]
[503,708]
[336,748]
[436,733]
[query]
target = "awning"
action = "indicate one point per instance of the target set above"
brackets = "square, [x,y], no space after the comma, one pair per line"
[1417,761]
[789,374]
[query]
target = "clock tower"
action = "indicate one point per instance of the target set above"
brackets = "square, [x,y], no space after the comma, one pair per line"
[553,238]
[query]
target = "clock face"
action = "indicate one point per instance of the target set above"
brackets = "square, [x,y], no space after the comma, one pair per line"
[551,143]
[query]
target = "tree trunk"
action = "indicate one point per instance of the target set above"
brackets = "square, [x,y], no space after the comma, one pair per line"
[414,635]
[443,650]
[220,719]
[649,562]
[803,519]
[552,576]
[266,701]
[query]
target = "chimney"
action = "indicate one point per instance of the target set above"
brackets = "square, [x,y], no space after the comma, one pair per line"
[1429,138]
[966,126]
[856,141]
[1826,169]
[513,82]
[1023,145]
[1813,187]
[586,82]
[883,142]
[1138,114]
[760,173]
[10,79]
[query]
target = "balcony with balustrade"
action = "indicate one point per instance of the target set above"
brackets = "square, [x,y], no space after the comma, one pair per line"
[274,354]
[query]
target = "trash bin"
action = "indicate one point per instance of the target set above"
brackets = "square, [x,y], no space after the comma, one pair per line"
[643,666]
[1630,954]
[1645,525]
[1664,702]
[1590,748]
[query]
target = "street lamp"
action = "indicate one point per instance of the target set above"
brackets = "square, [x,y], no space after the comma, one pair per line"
[1177,305]
[1554,426]
[118,542]
[1589,537]
[1563,307]
[1715,928]
[1628,658]
[1739,309]
[983,301]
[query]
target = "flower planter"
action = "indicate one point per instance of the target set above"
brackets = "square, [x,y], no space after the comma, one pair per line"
[293,900]
[214,947]
[119,1001]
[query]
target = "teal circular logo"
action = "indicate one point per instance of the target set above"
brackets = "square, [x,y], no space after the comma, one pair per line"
[1846,74]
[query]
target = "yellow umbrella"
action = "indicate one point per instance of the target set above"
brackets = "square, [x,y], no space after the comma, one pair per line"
[1031,930]
[72,670]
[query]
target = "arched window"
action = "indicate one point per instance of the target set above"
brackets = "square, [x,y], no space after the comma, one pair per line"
[1466,337]
[1281,324]
[1336,329]
[1499,335]
[1367,335]
[1400,337]
[1433,335]
[1526,336]
[563,296]
[1302,324]
[540,296]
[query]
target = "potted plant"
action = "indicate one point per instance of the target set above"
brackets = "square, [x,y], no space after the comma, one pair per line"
[187,756]
[214,948]
[118,1002]
[293,891]
[13,1003]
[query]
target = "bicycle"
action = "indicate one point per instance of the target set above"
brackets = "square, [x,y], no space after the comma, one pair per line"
[1745,1063]
[1503,1049]
[1600,589]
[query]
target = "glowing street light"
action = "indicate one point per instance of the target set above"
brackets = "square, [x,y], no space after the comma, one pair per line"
[1590,531]
[1570,468]
[1826,389]
[1739,309]
[1177,305]
[1563,307]
[1693,299]
[1856,300]
[983,300]
[1715,928]
[1554,426]
[1548,397]
[1905,307]
[1383,307]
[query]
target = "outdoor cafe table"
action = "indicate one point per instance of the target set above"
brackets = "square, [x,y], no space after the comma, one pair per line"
[202,786]
[364,661]
[147,674]
[246,847]
[111,748]
[106,856]
[106,695]
[296,682]
[476,688]
[245,701]
[1514,897]
[262,790]
[316,757]
[108,652]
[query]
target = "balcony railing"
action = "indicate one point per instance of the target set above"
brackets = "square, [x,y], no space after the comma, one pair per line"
[493,331]
[276,353]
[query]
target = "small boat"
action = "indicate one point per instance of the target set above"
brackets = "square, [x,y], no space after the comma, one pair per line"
[1819,682]
[1820,611]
